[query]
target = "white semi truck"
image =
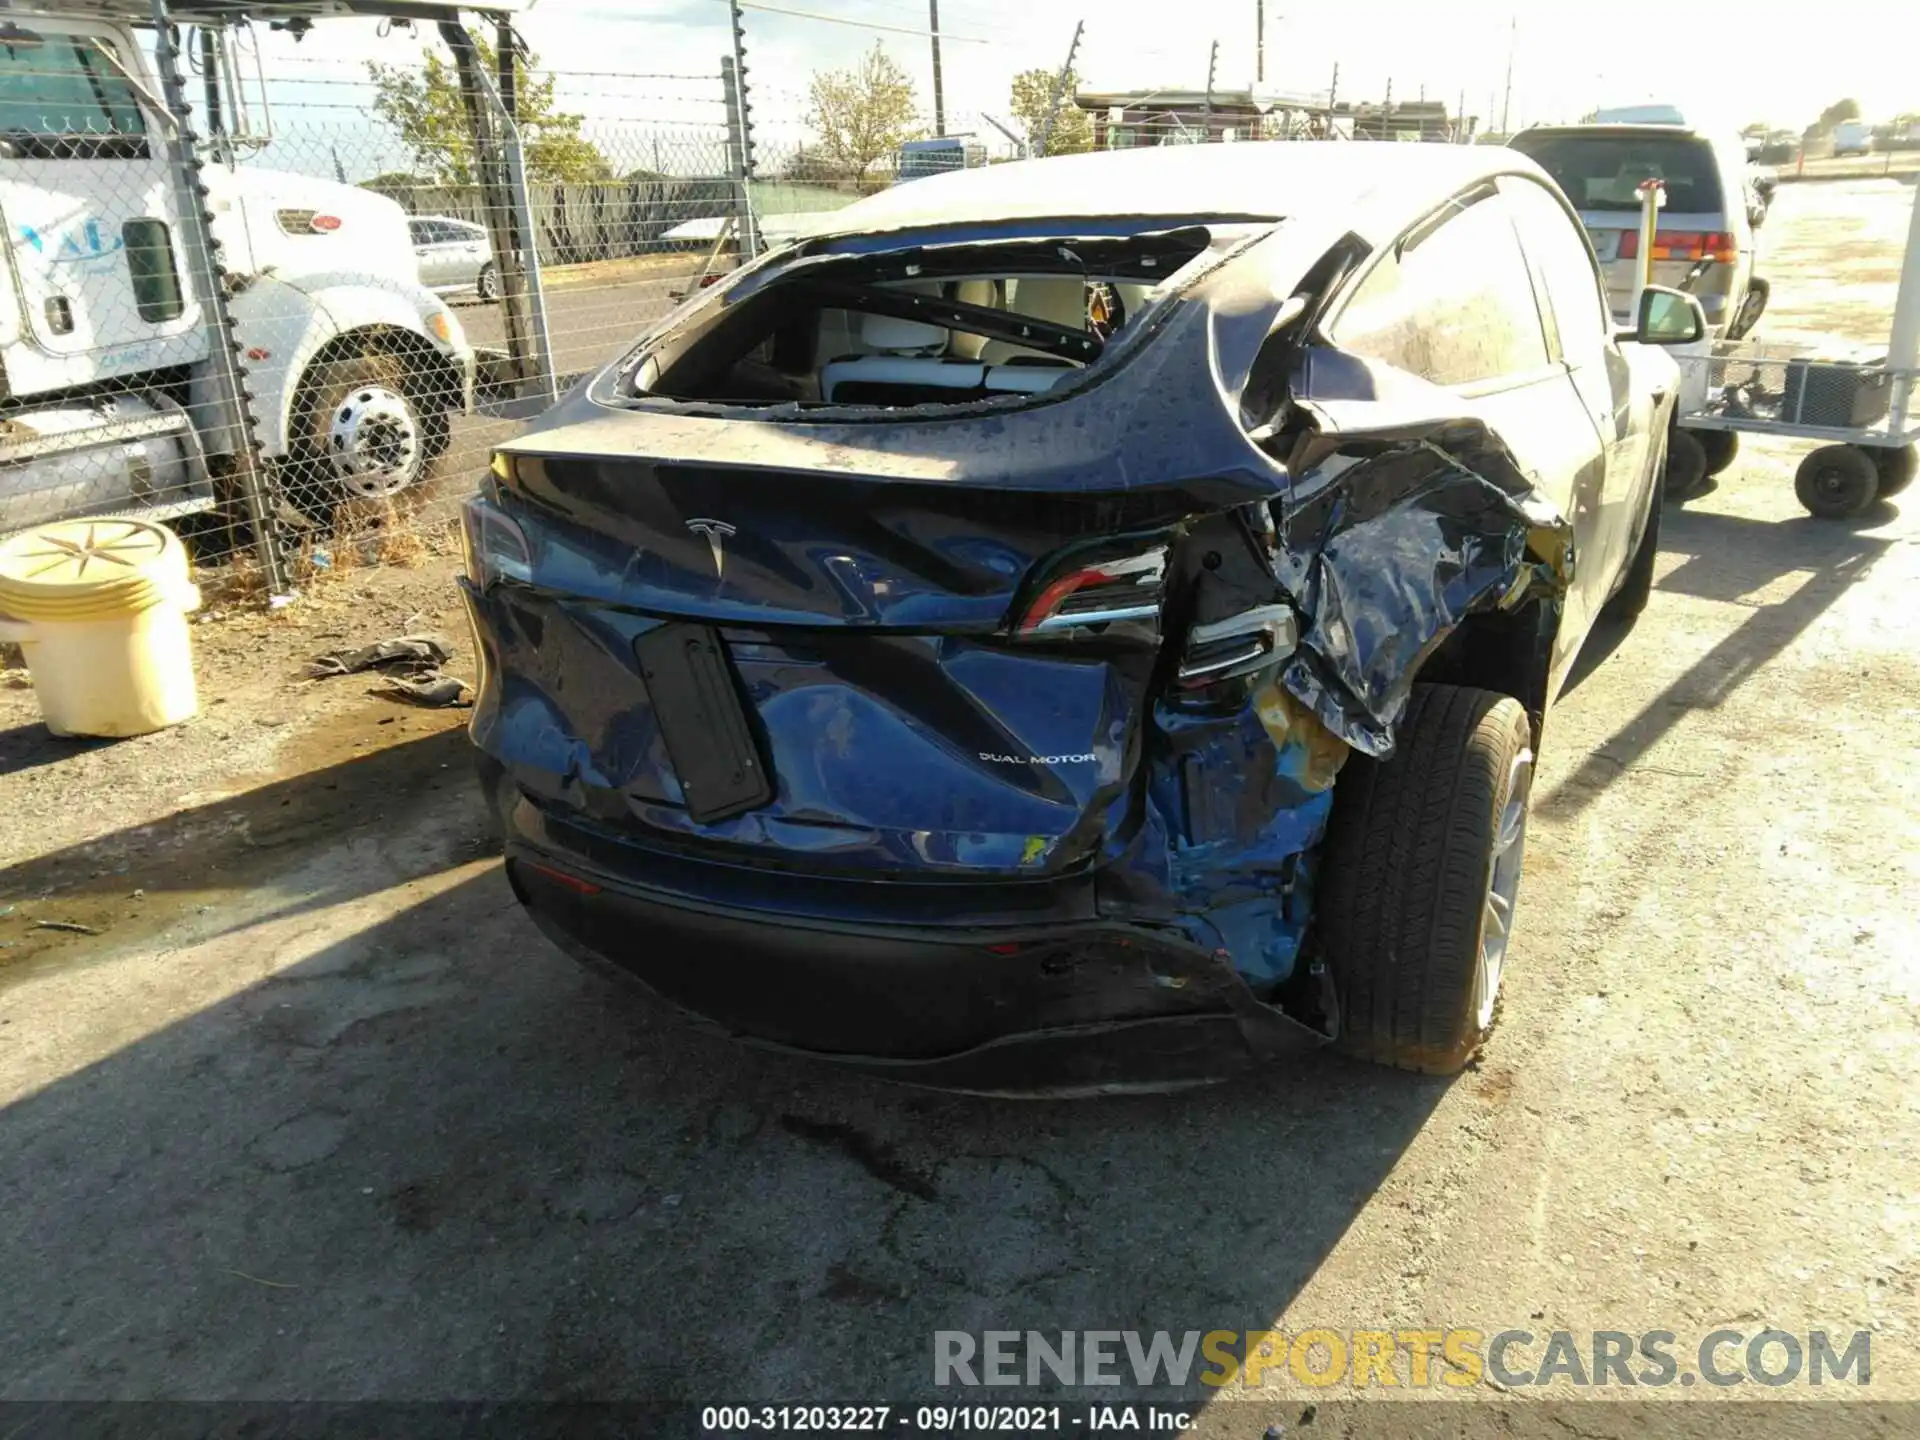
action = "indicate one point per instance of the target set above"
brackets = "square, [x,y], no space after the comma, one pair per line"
[146,370]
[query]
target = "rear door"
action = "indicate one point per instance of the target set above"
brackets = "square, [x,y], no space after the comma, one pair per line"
[437,244]
[91,227]
[1580,336]
[1453,302]
[473,252]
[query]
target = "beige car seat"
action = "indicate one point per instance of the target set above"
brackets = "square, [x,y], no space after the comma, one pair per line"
[1056,298]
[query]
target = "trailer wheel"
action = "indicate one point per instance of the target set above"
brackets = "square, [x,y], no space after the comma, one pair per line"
[1837,482]
[1722,448]
[1686,464]
[1895,466]
[1422,868]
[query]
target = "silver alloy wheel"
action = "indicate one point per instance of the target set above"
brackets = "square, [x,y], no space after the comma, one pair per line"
[1503,890]
[374,442]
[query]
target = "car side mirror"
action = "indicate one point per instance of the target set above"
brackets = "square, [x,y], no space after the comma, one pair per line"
[1668,317]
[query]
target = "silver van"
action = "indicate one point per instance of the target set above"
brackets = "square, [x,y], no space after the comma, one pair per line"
[1705,241]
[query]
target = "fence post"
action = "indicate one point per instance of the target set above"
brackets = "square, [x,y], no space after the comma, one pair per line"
[232,401]
[1059,86]
[739,167]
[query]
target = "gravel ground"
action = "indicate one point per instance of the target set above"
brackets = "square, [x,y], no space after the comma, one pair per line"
[318,1116]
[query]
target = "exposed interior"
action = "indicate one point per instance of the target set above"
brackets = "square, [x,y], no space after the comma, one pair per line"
[928,325]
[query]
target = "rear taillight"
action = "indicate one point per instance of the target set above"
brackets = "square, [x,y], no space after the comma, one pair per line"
[493,546]
[1712,245]
[1238,645]
[1109,590]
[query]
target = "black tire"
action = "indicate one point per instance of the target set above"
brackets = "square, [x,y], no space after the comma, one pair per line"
[1721,447]
[1837,482]
[1408,864]
[1637,588]
[487,285]
[1751,309]
[315,483]
[1895,466]
[1686,465]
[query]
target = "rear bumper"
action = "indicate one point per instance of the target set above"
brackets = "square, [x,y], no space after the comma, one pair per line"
[1050,1009]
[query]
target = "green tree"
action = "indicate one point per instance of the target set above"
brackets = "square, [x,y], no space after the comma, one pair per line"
[423,105]
[861,115]
[1072,127]
[1839,113]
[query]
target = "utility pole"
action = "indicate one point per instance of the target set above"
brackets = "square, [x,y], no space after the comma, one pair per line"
[1259,42]
[1460,116]
[1206,110]
[1060,84]
[1333,94]
[939,94]
[1506,105]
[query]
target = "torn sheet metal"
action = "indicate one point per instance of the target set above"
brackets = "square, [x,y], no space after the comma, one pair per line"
[1388,545]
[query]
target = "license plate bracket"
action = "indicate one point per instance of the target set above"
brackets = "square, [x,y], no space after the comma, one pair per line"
[697,705]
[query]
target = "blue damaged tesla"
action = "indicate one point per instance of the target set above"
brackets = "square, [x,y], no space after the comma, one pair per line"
[1080,624]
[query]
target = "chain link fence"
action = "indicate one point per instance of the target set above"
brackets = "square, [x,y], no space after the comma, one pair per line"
[291,315]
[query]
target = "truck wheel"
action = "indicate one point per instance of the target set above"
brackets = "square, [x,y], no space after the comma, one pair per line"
[1837,482]
[1895,465]
[1721,447]
[1686,464]
[1422,869]
[364,433]
[1637,588]
[487,286]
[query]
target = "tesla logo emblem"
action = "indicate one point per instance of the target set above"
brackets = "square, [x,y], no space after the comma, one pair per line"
[716,532]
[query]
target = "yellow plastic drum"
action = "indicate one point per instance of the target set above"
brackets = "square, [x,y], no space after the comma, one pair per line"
[100,609]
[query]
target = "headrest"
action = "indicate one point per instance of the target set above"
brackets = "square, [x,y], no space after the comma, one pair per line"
[884,332]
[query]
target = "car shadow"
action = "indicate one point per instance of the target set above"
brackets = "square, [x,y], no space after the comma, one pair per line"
[1732,560]
[401,1147]
[241,856]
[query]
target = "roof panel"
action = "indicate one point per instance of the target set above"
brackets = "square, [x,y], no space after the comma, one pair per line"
[1252,179]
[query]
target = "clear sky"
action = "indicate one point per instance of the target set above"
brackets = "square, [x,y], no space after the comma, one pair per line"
[1779,62]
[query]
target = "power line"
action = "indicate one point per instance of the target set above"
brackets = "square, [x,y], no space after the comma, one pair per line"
[861,24]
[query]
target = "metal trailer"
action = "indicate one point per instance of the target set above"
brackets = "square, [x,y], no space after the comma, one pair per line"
[1860,406]
[524,370]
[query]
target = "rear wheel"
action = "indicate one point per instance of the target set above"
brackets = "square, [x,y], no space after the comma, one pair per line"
[1721,447]
[1837,482]
[1422,867]
[1895,466]
[1686,464]
[487,286]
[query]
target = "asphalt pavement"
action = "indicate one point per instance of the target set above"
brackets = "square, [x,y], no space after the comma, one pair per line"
[338,1124]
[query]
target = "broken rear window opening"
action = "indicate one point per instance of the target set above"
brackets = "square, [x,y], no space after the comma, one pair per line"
[928,324]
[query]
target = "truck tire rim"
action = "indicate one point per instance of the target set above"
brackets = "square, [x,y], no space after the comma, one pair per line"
[1503,890]
[374,442]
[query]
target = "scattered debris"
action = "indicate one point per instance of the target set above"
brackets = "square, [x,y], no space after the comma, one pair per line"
[436,690]
[271,1284]
[69,926]
[406,652]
